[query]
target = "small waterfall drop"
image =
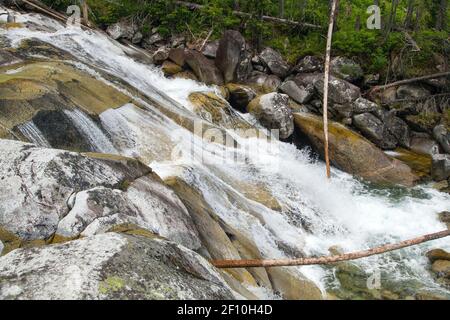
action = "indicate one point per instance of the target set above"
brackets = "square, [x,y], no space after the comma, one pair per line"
[33,134]
[90,131]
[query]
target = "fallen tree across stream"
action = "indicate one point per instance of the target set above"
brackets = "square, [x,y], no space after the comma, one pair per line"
[231,264]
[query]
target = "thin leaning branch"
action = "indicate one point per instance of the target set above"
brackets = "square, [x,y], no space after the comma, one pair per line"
[231,264]
[412,80]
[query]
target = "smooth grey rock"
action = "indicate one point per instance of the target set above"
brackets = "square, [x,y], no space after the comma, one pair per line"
[204,68]
[274,61]
[440,169]
[442,135]
[210,49]
[273,111]
[233,57]
[300,94]
[38,183]
[122,29]
[340,91]
[346,69]
[362,105]
[1,247]
[423,144]
[110,266]
[375,130]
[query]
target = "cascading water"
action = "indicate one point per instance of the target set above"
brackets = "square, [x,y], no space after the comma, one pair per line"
[93,135]
[33,134]
[316,213]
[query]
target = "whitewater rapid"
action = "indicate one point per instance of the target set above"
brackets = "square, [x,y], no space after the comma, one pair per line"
[317,213]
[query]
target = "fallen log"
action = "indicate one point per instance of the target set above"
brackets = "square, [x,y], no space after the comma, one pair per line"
[412,80]
[231,264]
[195,6]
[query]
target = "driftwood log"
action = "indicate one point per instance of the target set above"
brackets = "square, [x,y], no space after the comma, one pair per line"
[230,264]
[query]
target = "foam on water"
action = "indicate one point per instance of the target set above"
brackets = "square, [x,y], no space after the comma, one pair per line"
[317,213]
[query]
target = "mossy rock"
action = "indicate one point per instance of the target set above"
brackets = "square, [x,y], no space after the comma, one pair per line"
[418,162]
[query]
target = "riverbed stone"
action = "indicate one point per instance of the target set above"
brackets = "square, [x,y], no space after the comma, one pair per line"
[353,153]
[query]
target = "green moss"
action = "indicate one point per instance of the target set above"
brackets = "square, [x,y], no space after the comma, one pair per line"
[111,284]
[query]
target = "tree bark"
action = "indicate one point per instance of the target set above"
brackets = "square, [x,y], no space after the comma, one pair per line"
[229,264]
[441,18]
[281,8]
[325,83]
[407,81]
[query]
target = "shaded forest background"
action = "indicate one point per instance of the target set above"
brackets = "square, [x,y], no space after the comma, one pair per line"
[406,25]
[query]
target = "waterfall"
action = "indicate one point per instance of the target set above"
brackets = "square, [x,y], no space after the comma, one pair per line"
[90,131]
[316,213]
[33,134]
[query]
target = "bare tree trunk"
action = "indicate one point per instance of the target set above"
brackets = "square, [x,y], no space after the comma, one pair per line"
[441,17]
[228,264]
[390,24]
[409,14]
[325,83]
[281,8]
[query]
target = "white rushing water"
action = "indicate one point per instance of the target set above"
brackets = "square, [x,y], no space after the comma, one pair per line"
[98,141]
[316,213]
[33,134]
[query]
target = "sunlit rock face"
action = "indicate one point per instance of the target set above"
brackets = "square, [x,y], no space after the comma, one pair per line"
[111,266]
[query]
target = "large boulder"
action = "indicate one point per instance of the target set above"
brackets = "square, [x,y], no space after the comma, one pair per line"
[298,92]
[273,111]
[110,266]
[233,57]
[375,130]
[275,62]
[346,69]
[49,194]
[354,154]
[442,135]
[362,105]
[124,29]
[210,49]
[178,55]
[422,143]
[215,109]
[340,91]
[440,169]
[204,68]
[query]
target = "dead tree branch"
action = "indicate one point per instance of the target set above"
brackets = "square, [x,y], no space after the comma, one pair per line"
[412,80]
[229,264]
